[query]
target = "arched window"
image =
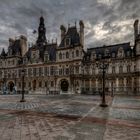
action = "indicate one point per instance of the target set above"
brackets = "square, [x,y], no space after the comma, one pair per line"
[120,69]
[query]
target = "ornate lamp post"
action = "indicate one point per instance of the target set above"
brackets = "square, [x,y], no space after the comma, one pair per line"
[103,65]
[23,75]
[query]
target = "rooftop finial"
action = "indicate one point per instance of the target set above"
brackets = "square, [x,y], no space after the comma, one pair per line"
[68,25]
[75,23]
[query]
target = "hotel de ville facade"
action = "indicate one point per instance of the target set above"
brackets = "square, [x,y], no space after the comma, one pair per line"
[66,67]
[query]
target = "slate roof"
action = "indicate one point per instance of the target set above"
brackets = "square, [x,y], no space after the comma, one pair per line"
[73,35]
[50,48]
[112,49]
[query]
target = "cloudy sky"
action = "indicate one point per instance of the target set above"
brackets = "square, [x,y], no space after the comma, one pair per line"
[106,21]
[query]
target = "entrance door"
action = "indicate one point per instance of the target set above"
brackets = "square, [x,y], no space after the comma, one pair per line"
[64,85]
[11,86]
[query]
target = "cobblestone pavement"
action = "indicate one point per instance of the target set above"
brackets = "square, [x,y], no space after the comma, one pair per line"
[69,117]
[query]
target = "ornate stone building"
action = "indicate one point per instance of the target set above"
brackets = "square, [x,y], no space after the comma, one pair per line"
[66,68]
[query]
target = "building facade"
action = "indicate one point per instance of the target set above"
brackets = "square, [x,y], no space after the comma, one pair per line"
[67,68]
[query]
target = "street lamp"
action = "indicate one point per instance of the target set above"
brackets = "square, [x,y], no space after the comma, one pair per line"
[23,75]
[103,65]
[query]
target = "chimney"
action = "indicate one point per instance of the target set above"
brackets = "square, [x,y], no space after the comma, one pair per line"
[23,43]
[11,41]
[136,30]
[81,24]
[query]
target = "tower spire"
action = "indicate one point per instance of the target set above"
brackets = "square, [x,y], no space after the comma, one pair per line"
[41,32]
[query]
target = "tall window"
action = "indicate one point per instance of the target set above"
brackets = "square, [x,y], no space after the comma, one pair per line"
[77,53]
[60,55]
[120,69]
[34,71]
[73,54]
[40,71]
[60,71]
[67,71]
[52,70]
[29,71]
[77,69]
[67,41]
[46,69]
[40,83]
[67,55]
[113,69]
[128,68]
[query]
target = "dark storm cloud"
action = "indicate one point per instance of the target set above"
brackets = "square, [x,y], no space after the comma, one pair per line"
[106,21]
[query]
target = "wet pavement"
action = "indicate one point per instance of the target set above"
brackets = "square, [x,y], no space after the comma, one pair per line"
[69,117]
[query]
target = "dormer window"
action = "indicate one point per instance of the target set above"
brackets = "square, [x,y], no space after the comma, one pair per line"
[67,41]
[128,53]
[106,52]
[93,55]
[121,52]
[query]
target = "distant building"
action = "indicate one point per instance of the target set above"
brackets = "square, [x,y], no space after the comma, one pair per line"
[67,68]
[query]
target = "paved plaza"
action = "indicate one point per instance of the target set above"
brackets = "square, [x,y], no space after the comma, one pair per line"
[69,117]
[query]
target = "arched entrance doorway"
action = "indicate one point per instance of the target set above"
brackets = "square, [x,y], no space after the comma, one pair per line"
[10,86]
[64,85]
[34,85]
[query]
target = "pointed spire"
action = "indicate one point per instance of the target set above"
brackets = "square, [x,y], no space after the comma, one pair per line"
[3,53]
[75,23]
[41,31]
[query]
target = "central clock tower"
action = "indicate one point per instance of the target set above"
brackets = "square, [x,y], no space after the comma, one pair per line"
[41,40]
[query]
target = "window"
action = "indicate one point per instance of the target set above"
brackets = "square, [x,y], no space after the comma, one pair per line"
[29,71]
[52,70]
[67,71]
[128,68]
[46,83]
[135,68]
[40,71]
[67,55]
[120,69]
[94,55]
[77,69]
[120,52]
[34,71]
[113,69]
[60,55]
[77,53]
[128,53]
[29,84]
[19,84]
[46,71]
[40,83]
[106,52]
[67,41]
[72,54]
[52,84]
[60,71]
[113,55]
